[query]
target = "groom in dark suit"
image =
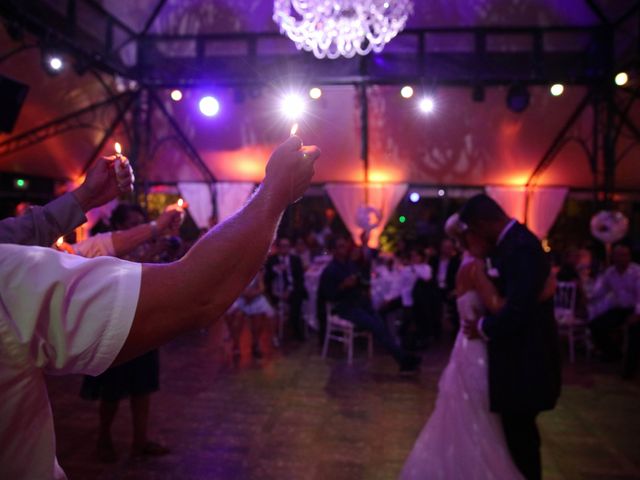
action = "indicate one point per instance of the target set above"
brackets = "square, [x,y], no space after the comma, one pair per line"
[522,338]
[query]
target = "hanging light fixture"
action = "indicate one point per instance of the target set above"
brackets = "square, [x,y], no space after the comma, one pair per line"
[334,28]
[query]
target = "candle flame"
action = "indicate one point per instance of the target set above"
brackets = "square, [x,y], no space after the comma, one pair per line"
[294,129]
[180,202]
[118,148]
[60,241]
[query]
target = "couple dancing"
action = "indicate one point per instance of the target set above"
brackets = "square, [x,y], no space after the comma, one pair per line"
[505,366]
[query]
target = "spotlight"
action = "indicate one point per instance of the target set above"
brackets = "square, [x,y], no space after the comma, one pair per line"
[414,197]
[406,91]
[52,63]
[176,95]
[315,93]
[518,98]
[556,89]
[426,105]
[292,106]
[621,79]
[402,219]
[441,193]
[209,106]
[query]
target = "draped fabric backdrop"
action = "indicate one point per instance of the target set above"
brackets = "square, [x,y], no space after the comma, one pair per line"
[200,201]
[512,200]
[347,198]
[230,197]
[544,206]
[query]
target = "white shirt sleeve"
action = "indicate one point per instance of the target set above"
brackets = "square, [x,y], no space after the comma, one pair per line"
[100,245]
[65,313]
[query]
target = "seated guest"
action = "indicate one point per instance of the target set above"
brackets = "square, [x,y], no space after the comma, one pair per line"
[284,281]
[414,278]
[569,271]
[63,314]
[343,285]
[252,305]
[620,286]
[445,267]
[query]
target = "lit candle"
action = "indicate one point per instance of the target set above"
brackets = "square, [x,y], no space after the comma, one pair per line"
[180,202]
[118,148]
[60,241]
[294,129]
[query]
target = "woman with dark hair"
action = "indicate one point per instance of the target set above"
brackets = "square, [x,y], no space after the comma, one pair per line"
[137,378]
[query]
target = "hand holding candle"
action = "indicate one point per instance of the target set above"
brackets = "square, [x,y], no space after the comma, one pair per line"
[124,173]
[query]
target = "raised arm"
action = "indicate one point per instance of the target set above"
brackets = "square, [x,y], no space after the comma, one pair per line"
[43,225]
[196,290]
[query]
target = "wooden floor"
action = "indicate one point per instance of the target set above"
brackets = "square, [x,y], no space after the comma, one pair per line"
[294,415]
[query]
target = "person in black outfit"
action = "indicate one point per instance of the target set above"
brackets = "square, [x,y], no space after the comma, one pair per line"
[445,268]
[522,338]
[284,282]
[343,284]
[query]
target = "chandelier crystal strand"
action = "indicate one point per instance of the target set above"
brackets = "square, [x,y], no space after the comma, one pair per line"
[334,28]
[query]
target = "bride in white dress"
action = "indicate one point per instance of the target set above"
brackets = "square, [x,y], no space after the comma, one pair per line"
[463,439]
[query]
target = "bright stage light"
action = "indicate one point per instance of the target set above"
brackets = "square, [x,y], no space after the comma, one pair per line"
[292,106]
[176,95]
[315,93]
[621,79]
[209,106]
[441,193]
[414,197]
[402,219]
[55,63]
[406,91]
[556,89]
[426,105]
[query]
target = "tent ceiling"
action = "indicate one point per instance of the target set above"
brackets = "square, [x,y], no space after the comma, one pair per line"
[462,143]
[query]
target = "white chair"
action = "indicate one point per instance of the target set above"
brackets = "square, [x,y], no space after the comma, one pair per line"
[575,329]
[343,331]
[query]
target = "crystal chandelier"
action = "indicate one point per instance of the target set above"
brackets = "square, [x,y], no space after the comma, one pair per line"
[334,28]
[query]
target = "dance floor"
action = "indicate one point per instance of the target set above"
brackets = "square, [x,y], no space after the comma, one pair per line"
[294,415]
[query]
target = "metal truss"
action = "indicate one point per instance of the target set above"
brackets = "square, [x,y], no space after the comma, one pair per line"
[72,121]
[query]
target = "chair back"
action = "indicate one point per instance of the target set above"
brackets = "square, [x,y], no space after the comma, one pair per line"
[565,300]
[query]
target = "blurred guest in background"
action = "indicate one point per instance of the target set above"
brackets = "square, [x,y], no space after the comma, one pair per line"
[253,306]
[620,286]
[445,267]
[343,285]
[284,281]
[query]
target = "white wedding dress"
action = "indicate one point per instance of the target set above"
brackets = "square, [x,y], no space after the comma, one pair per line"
[462,439]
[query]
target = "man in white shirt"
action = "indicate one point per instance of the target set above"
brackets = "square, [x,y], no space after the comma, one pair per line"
[64,314]
[619,288]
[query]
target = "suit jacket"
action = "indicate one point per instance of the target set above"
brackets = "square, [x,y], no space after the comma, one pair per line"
[297,276]
[452,271]
[523,346]
[43,225]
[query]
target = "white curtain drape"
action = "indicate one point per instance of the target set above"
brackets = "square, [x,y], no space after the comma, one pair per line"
[231,196]
[512,200]
[347,198]
[544,205]
[200,201]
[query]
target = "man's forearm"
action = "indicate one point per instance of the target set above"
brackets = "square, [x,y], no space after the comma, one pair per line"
[199,288]
[43,225]
[126,240]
